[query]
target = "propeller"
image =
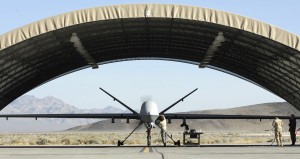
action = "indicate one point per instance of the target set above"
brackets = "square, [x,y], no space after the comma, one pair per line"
[145,98]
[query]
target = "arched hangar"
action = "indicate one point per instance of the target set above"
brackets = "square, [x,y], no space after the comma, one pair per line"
[255,51]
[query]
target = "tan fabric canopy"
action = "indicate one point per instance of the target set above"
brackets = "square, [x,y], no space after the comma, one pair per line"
[149,10]
[254,51]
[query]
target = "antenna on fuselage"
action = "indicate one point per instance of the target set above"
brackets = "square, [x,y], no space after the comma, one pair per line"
[116,99]
[181,99]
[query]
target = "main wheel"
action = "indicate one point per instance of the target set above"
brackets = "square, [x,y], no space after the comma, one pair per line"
[178,143]
[120,143]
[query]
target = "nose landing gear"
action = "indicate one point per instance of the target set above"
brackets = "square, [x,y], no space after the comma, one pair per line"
[149,136]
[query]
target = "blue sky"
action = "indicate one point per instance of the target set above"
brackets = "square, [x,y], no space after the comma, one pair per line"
[162,81]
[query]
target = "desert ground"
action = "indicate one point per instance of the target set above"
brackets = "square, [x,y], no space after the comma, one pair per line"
[138,138]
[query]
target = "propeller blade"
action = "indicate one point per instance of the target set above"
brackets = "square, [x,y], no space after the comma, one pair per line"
[116,99]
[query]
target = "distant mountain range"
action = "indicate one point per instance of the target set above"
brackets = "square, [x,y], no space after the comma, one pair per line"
[28,104]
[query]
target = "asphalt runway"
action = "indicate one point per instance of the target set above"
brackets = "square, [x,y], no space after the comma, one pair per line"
[106,152]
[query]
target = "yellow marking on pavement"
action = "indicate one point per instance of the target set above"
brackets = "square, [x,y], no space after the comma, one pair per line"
[146,149]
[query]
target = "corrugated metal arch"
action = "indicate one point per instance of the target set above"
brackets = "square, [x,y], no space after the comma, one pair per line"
[44,50]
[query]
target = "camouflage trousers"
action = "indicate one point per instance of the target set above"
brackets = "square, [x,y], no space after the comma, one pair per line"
[278,136]
[163,135]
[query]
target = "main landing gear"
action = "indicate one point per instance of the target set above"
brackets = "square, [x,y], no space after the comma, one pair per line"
[120,143]
[176,143]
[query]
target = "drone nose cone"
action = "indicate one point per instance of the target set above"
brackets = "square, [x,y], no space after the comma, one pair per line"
[149,103]
[149,111]
[149,107]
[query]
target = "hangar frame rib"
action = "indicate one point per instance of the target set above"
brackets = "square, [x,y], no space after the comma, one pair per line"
[255,51]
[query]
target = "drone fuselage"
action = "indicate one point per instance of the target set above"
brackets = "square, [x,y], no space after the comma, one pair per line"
[149,113]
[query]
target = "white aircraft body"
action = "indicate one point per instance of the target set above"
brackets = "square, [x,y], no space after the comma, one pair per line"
[149,112]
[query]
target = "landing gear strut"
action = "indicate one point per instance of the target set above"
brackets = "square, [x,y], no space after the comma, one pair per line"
[149,136]
[120,143]
[177,143]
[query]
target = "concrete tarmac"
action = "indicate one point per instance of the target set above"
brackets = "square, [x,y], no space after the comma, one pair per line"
[203,152]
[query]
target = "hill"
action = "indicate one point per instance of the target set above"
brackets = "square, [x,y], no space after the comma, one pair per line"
[281,108]
[49,105]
